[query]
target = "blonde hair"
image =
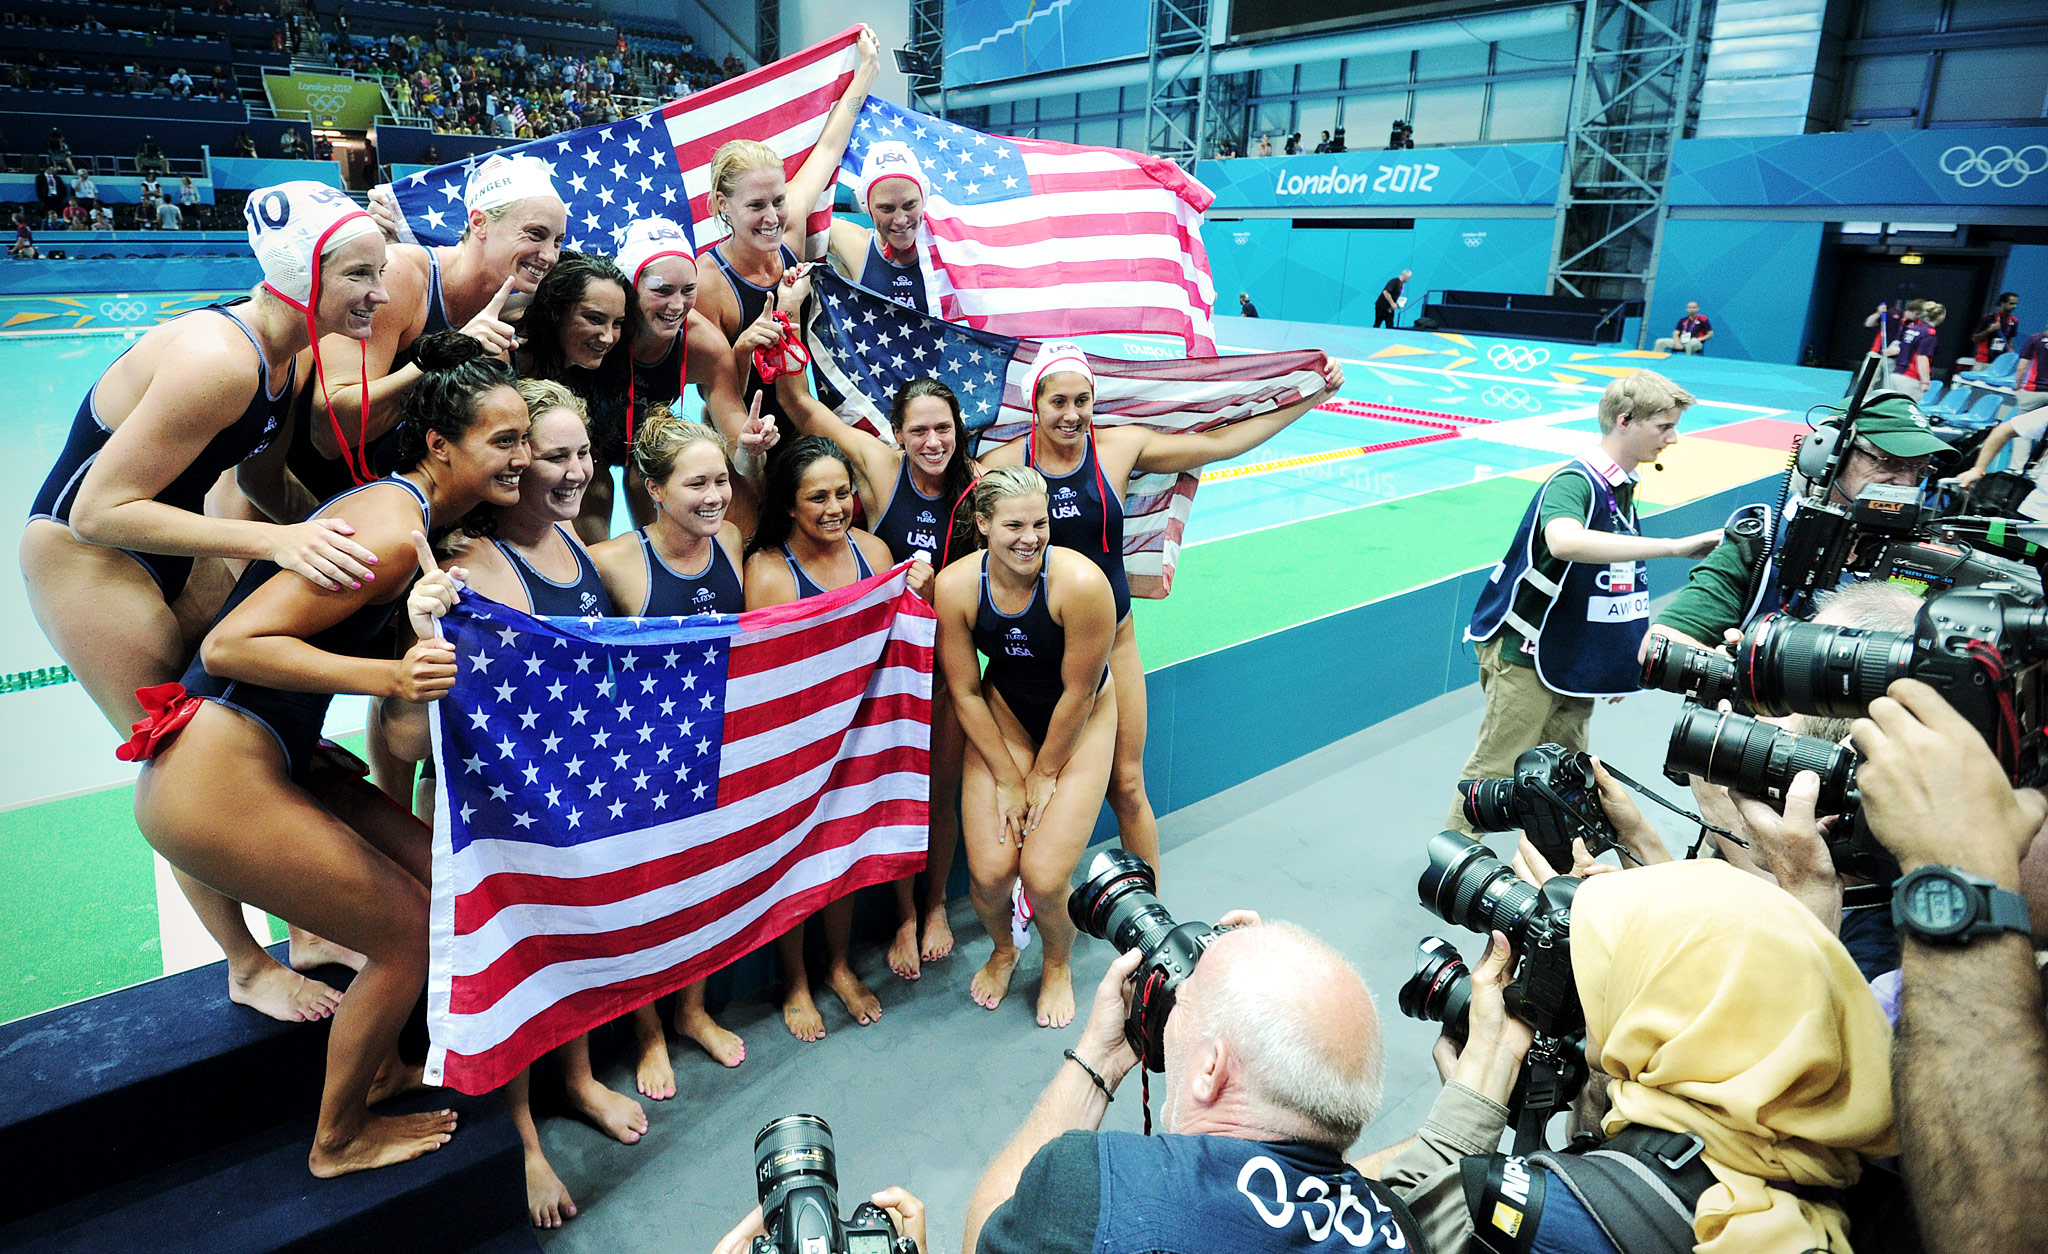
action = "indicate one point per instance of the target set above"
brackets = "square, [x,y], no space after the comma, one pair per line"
[662,438]
[738,157]
[1641,394]
[494,215]
[1933,309]
[541,395]
[1001,484]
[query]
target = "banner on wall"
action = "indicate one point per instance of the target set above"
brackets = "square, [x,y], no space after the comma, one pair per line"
[992,39]
[1969,166]
[350,104]
[1483,174]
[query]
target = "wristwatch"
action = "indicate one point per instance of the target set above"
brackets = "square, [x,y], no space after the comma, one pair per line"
[1946,906]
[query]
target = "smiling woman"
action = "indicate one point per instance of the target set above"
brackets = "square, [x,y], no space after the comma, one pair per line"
[581,314]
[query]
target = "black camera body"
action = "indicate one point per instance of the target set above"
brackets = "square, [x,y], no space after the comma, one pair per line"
[1466,885]
[1118,902]
[796,1175]
[1552,796]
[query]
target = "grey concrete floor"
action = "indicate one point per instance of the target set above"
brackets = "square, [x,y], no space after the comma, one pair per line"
[925,1097]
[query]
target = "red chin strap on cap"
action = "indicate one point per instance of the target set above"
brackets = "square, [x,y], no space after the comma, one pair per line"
[355,457]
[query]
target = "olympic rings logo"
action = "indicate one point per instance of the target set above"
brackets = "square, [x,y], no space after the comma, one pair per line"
[1517,357]
[123,311]
[1997,164]
[1499,397]
[326,101]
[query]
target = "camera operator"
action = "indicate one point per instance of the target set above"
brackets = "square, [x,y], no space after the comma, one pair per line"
[1272,1068]
[1971,1072]
[1561,620]
[1893,445]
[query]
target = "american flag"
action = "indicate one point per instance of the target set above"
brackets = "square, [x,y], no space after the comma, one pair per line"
[659,162]
[1033,237]
[628,804]
[867,346]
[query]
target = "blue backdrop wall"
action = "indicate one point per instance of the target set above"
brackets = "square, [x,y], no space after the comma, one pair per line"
[1316,275]
[1753,280]
[2026,272]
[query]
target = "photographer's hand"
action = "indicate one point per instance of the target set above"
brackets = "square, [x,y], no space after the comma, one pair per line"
[737,1241]
[905,1211]
[1790,849]
[1634,831]
[1530,864]
[1102,1044]
[1933,790]
[1495,1041]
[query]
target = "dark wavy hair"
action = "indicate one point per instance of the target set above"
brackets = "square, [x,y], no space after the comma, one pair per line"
[455,372]
[604,389]
[778,498]
[959,476]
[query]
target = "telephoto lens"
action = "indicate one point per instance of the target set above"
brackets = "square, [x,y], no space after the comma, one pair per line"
[797,1177]
[1703,675]
[1466,885]
[1757,759]
[1790,667]
[1116,903]
[1440,991]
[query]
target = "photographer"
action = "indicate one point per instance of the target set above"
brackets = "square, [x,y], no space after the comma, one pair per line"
[1737,583]
[1272,1067]
[1971,1034]
[1561,620]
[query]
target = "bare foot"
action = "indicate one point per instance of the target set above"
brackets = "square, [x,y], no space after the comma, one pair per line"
[992,983]
[938,935]
[616,1115]
[726,1047]
[800,1015]
[656,1076]
[396,1077]
[381,1141]
[1056,995]
[282,993]
[309,951]
[903,953]
[547,1202]
[864,1006]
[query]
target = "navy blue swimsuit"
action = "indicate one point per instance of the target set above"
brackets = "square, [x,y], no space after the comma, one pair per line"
[902,284]
[1088,517]
[752,300]
[714,590]
[294,719]
[1025,652]
[805,588]
[661,382]
[234,444]
[913,521]
[548,599]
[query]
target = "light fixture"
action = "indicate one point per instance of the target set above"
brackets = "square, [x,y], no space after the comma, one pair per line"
[1911,259]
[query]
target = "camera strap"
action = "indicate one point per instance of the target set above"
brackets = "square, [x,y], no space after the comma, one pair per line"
[1640,1187]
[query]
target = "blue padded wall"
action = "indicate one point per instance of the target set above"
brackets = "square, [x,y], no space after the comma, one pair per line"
[1754,281]
[2026,272]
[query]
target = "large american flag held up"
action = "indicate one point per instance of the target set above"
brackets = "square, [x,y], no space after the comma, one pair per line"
[652,163]
[867,346]
[1037,238]
[628,805]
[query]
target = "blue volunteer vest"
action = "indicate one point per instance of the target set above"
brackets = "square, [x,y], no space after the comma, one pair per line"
[1203,1194]
[1586,626]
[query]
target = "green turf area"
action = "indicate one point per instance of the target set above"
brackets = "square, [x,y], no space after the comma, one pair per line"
[79,900]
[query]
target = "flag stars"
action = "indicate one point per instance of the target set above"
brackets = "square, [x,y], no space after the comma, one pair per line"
[577,715]
[467,811]
[617,808]
[707,699]
[482,662]
[597,786]
[668,707]
[500,793]
[533,665]
[601,739]
[625,712]
[479,720]
[523,820]
[640,782]
[647,683]
[506,747]
[574,818]
[697,793]
[661,801]
[508,635]
[528,719]
[554,795]
[531,772]
[475,765]
[574,766]
[555,690]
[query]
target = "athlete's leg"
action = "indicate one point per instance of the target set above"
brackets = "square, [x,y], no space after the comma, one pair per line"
[547,1201]
[108,620]
[799,1012]
[653,1074]
[992,858]
[614,1114]
[694,1021]
[217,804]
[1136,826]
[949,744]
[1052,850]
[859,1001]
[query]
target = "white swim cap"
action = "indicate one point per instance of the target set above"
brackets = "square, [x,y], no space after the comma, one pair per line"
[1054,356]
[292,225]
[502,180]
[890,160]
[648,240]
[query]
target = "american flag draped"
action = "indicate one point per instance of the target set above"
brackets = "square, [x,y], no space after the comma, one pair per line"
[867,346]
[1032,237]
[630,804]
[659,162]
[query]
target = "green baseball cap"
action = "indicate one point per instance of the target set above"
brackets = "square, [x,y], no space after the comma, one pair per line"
[1895,424]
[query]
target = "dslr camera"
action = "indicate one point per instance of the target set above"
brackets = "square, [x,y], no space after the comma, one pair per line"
[1118,902]
[1466,885]
[1552,796]
[797,1176]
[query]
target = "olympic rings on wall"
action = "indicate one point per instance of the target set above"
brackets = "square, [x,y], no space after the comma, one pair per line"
[1997,164]
[124,310]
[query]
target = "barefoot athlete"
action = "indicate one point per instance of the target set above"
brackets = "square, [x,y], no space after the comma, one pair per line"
[806,545]
[884,259]
[124,569]
[239,794]
[573,333]
[1041,723]
[913,490]
[1086,470]
[685,562]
